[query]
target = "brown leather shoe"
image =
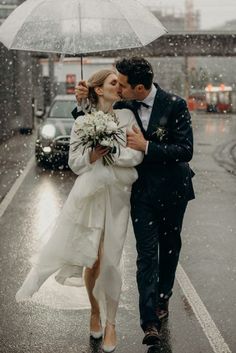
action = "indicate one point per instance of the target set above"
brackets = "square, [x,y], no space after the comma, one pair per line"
[151,336]
[163,310]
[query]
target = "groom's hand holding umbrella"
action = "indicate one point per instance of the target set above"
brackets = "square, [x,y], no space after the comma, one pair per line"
[136,140]
[81,91]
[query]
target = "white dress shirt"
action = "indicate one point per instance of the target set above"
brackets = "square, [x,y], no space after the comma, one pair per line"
[145,113]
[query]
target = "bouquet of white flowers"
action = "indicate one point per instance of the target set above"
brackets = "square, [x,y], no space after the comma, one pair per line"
[99,128]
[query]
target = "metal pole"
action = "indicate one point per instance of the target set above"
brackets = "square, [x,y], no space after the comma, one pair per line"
[186,78]
[51,75]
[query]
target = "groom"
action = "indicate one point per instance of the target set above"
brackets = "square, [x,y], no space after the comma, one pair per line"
[164,186]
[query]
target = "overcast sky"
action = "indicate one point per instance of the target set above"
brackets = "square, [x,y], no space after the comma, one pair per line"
[213,12]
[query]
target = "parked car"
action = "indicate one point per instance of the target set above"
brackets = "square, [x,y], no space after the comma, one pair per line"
[52,145]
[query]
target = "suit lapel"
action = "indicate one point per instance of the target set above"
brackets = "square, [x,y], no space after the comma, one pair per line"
[158,113]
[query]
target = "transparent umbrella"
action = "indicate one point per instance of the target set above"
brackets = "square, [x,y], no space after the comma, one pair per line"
[79,26]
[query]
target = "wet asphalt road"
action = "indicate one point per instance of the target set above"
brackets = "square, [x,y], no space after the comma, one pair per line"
[56,320]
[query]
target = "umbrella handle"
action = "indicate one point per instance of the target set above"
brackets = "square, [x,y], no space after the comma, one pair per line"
[82,77]
[81,67]
[84,103]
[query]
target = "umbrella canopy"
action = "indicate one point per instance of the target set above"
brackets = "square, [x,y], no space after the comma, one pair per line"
[79,26]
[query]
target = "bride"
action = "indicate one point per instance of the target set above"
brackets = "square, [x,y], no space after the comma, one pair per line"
[91,229]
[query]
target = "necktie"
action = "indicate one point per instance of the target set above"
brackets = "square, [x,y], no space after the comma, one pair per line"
[137,105]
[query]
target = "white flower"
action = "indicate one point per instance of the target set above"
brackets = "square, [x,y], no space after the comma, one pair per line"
[111,126]
[100,127]
[107,143]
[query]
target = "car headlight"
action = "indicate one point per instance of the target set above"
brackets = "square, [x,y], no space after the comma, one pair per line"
[48,131]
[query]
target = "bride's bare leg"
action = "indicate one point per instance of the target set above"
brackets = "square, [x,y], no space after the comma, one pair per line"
[90,276]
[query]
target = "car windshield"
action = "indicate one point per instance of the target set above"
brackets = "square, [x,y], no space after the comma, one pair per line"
[62,109]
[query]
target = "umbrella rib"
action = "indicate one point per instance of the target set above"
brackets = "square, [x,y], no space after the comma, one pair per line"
[124,14]
[132,27]
[80,25]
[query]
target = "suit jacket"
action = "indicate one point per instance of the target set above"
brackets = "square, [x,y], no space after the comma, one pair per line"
[165,177]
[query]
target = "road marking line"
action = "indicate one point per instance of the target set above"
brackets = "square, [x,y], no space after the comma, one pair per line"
[209,328]
[11,193]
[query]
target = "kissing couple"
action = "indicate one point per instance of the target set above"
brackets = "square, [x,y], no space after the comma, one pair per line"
[148,176]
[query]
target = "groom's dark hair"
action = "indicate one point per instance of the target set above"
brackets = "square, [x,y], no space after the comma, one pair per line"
[137,69]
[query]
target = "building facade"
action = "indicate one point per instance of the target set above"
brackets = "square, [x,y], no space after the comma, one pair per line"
[6,7]
[20,82]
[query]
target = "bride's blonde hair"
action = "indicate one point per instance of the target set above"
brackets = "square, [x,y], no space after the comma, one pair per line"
[97,80]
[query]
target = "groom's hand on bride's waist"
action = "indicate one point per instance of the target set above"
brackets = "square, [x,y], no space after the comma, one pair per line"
[136,140]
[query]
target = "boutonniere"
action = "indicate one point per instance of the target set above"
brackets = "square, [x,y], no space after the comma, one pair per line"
[160,132]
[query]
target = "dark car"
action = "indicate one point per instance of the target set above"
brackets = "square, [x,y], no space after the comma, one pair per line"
[53,142]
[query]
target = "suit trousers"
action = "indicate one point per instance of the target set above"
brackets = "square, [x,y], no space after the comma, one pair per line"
[158,244]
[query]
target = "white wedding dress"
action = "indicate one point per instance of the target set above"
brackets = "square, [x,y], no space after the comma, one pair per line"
[95,214]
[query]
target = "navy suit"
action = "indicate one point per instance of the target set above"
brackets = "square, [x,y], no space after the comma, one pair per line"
[159,199]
